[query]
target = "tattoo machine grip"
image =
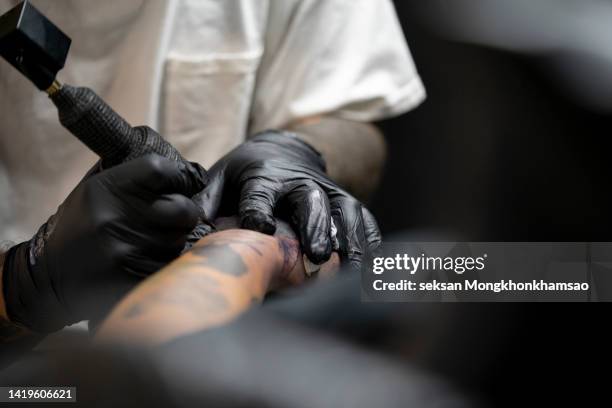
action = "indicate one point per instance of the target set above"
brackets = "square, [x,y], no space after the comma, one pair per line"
[100,128]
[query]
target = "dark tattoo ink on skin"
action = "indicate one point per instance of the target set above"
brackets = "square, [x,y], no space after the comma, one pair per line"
[290,250]
[222,257]
[134,311]
[202,291]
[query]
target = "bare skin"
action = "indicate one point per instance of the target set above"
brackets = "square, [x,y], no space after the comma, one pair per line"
[222,276]
[355,152]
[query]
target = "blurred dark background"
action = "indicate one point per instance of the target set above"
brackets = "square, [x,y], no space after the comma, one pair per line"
[502,150]
[497,151]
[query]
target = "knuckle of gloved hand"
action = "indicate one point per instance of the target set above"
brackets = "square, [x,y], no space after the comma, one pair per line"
[315,199]
[119,255]
[354,253]
[320,251]
[354,257]
[375,247]
[96,205]
[253,171]
[156,166]
[257,221]
[198,176]
[254,214]
[260,199]
[186,212]
[100,213]
[255,206]
[103,222]
[342,201]
[305,186]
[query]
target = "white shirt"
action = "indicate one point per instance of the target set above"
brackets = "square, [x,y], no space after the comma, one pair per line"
[205,73]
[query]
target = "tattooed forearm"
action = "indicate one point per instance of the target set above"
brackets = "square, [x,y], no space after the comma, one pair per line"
[218,279]
[215,281]
[355,152]
[195,291]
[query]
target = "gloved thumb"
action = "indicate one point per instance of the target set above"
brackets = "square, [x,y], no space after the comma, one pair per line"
[209,199]
[157,174]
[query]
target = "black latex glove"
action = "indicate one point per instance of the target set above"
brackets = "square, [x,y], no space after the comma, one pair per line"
[115,227]
[278,171]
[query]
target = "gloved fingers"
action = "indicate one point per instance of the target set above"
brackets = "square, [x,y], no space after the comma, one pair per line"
[150,256]
[258,199]
[348,219]
[174,211]
[164,247]
[372,232]
[210,198]
[198,178]
[187,178]
[157,174]
[141,265]
[311,218]
[151,240]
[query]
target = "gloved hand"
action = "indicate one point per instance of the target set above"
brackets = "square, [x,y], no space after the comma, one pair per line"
[115,227]
[277,171]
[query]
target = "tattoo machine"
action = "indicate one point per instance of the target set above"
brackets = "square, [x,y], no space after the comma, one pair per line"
[38,49]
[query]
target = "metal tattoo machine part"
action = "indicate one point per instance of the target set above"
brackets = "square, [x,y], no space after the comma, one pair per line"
[38,49]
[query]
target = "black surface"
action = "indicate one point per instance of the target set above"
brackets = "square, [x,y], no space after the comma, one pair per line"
[33,44]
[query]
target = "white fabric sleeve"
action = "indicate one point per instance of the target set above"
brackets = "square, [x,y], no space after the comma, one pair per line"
[346,58]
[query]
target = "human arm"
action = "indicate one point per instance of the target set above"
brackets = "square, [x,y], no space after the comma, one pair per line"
[355,152]
[217,280]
